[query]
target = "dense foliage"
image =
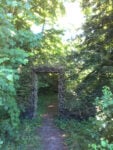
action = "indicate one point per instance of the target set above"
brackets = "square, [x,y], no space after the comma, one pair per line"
[97,131]
[87,59]
[11,57]
[19,46]
[92,57]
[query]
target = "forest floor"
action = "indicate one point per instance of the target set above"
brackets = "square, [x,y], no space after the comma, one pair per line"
[52,138]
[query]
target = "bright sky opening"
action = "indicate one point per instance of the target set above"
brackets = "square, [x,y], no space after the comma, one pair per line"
[72,20]
[73,17]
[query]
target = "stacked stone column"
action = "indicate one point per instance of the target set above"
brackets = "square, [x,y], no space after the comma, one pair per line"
[61,93]
[61,88]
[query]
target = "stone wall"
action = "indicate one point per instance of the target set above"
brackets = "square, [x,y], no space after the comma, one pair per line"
[61,87]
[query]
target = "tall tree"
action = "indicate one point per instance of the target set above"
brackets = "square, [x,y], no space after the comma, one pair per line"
[92,55]
[17,46]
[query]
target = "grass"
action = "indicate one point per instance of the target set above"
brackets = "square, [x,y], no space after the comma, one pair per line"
[78,134]
[27,137]
[47,103]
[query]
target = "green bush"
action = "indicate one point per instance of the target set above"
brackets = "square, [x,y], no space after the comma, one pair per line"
[104,116]
[26,137]
[78,135]
[104,145]
[95,133]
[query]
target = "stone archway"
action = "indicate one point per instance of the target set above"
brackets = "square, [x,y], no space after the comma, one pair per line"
[61,87]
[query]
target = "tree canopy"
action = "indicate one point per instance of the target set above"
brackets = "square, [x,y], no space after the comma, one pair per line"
[87,59]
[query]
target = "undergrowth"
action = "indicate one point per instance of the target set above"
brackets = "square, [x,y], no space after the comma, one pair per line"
[27,137]
[46,101]
[78,135]
[95,133]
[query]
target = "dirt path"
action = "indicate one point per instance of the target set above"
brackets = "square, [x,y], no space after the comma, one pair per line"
[52,137]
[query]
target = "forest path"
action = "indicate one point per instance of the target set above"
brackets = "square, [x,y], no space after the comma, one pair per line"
[52,138]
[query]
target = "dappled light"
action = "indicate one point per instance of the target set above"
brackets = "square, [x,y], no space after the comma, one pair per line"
[56,75]
[64,135]
[51,106]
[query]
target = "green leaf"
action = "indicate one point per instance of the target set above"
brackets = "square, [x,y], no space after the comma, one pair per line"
[1,103]
[3,60]
[1,142]
[103,143]
[10,77]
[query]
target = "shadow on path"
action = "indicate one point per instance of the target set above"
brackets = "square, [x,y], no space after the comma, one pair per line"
[52,137]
